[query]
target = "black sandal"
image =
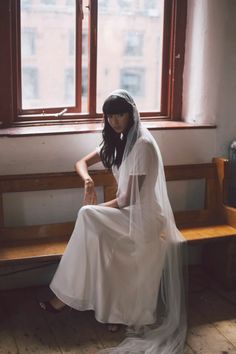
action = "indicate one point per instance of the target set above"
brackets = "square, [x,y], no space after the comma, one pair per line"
[47,306]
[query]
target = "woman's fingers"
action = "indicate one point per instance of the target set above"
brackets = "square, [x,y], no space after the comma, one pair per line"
[90,197]
[89,192]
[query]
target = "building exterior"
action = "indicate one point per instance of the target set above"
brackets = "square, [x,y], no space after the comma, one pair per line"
[129,52]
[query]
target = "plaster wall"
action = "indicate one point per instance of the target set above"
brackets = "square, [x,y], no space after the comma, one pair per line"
[209,90]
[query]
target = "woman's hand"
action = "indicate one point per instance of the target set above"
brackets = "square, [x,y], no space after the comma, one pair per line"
[90,196]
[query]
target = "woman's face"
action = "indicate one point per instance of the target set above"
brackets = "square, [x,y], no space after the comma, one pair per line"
[118,122]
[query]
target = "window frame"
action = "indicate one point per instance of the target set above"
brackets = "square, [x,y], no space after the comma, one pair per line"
[10,93]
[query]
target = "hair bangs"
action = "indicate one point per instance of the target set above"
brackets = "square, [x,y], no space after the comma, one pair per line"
[116,105]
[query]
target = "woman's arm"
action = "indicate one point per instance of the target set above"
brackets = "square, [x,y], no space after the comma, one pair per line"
[89,190]
[111,204]
[81,167]
[125,200]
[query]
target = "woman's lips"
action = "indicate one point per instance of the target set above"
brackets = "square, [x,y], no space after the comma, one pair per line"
[117,129]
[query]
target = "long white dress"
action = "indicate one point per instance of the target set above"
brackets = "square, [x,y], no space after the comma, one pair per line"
[122,262]
[102,269]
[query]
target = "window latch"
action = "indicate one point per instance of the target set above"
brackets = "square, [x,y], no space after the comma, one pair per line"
[61,113]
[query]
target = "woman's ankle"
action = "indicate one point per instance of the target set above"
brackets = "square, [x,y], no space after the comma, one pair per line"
[57,303]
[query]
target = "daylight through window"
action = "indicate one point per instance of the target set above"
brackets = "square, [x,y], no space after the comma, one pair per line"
[72,53]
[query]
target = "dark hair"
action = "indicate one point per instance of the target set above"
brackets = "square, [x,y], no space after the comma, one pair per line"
[113,146]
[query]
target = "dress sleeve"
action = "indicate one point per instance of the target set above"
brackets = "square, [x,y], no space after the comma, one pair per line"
[143,158]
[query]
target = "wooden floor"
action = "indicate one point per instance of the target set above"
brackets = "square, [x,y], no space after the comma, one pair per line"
[26,329]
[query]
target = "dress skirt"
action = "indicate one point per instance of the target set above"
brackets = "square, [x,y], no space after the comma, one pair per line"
[101,269]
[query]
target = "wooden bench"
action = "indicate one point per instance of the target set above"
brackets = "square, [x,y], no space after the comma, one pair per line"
[47,242]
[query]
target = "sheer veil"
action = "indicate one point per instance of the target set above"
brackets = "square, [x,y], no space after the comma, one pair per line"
[152,229]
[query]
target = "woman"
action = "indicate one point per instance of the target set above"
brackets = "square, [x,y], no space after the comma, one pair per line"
[124,253]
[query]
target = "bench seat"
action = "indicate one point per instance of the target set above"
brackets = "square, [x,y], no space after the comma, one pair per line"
[207,233]
[23,251]
[46,249]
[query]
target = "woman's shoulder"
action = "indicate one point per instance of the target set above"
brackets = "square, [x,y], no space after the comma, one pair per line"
[144,147]
[144,142]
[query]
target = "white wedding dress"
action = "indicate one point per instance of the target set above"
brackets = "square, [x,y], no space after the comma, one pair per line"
[101,270]
[126,264]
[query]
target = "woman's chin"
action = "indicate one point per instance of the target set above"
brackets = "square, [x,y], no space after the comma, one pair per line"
[118,131]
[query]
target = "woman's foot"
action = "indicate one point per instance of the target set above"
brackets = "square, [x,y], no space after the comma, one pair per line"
[113,327]
[54,305]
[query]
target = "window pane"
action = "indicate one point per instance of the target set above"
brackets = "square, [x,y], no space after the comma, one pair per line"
[132,80]
[48,42]
[130,50]
[85,59]
[30,83]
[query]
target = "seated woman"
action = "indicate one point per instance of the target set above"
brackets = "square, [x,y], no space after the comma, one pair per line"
[122,250]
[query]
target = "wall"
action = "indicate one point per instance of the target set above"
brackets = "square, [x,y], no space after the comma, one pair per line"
[210,68]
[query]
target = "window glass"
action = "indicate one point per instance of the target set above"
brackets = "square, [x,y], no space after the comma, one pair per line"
[25,4]
[28,47]
[125,40]
[85,60]
[48,2]
[133,44]
[30,84]
[103,5]
[84,82]
[51,27]
[69,85]
[133,80]
[71,42]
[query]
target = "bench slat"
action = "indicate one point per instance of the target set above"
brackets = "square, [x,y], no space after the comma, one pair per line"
[186,172]
[51,181]
[208,232]
[195,218]
[48,231]
[35,250]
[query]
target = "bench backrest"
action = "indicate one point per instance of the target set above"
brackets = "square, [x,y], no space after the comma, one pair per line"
[210,214]
[48,181]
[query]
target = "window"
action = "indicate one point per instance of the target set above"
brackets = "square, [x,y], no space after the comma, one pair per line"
[25,4]
[69,85]
[126,5]
[85,44]
[71,42]
[30,84]
[84,82]
[133,81]
[48,2]
[72,54]
[133,44]
[103,5]
[28,42]
[55,53]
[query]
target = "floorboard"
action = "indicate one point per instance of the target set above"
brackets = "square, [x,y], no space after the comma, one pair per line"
[26,329]
[26,320]
[7,341]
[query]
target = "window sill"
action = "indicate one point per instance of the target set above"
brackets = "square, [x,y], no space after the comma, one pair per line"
[93,128]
